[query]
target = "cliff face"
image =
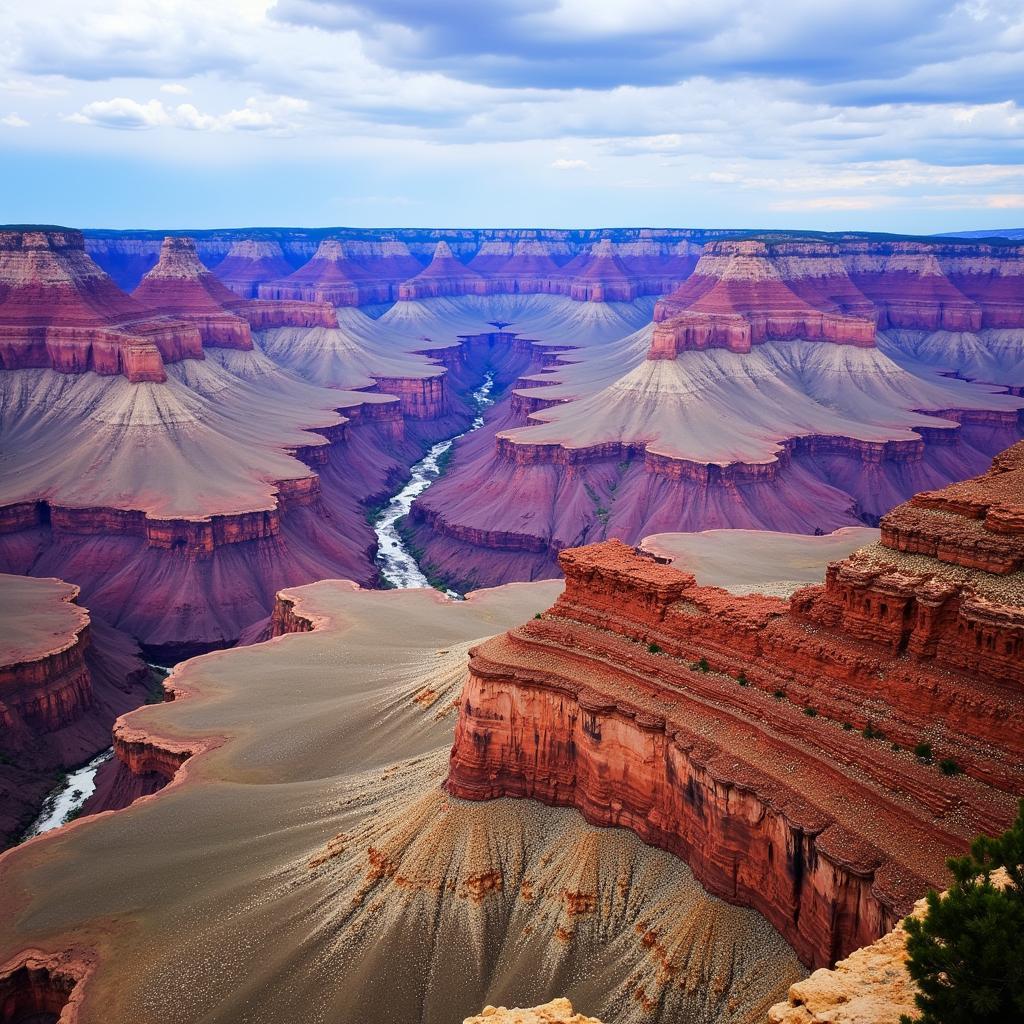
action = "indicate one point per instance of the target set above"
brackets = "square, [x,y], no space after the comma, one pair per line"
[723,728]
[59,310]
[63,679]
[250,263]
[444,275]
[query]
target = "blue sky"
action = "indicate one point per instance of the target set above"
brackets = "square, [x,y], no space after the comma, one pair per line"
[899,115]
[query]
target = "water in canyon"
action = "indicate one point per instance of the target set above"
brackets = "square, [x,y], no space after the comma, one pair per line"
[64,801]
[398,565]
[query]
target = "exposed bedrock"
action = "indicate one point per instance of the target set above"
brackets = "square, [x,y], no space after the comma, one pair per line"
[43,988]
[143,764]
[59,310]
[472,535]
[64,677]
[725,728]
[185,585]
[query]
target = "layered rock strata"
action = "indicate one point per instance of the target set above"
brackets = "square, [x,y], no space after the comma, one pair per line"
[746,293]
[765,741]
[330,276]
[63,680]
[180,286]
[444,275]
[59,310]
[250,263]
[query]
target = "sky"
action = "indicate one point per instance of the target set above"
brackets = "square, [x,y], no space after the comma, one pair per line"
[889,115]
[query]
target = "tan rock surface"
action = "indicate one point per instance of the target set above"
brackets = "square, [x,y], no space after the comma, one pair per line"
[558,1011]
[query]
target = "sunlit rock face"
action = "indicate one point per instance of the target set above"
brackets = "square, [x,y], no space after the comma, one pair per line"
[767,742]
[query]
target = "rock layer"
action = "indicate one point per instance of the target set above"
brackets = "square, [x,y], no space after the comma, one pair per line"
[59,310]
[63,679]
[722,727]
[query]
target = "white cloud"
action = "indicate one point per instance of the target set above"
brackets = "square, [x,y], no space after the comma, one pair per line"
[13,121]
[562,164]
[174,88]
[277,115]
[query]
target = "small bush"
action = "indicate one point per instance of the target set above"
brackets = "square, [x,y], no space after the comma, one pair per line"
[895,746]
[967,953]
[654,648]
[810,712]
[703,665]
[538,615]
[869,732]
[847,727]
[949,767]
[780,694]
[742,679]
[923,751]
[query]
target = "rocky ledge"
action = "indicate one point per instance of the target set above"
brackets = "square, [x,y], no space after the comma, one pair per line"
[558,1011]
[767,743]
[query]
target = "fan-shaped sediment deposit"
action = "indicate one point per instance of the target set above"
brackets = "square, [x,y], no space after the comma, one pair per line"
[314,841]
[64,678]
[767,742]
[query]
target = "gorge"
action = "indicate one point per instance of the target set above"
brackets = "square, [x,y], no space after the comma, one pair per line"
[264,463]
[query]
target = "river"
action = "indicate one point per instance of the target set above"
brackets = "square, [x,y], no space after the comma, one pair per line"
[64,802]
[398,566]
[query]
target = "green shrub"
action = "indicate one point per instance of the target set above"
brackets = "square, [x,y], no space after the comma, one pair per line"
[810,712]
[742,679]
[847,727]
[654,648]
[780,694]
[923,751]
[869,732]
[703,665]
[967,953]
[538,615]
[949,767]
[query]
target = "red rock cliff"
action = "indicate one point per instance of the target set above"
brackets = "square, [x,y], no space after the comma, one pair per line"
[59,310]
[745,733]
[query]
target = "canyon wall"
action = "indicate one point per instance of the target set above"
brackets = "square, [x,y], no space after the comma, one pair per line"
[766,742]
[63,680]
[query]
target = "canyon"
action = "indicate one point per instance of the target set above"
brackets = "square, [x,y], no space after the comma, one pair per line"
[196,424]
[787,384]
[316,842]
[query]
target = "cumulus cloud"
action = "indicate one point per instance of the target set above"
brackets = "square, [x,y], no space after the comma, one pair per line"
[256,116]
[14,121]
[848,105]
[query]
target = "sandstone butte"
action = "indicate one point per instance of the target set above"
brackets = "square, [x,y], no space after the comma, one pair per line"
[249,263]
[769,743]
[180,286]
[64,678]
[59,310]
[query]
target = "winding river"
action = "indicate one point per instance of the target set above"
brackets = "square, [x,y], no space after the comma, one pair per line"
[398,566]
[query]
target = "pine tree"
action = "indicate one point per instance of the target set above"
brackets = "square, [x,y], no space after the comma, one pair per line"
[967,953]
